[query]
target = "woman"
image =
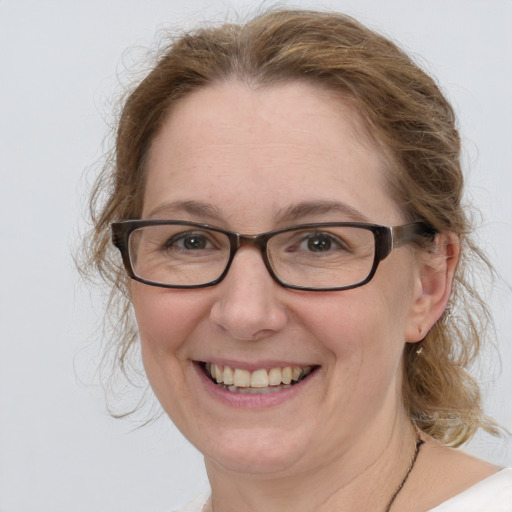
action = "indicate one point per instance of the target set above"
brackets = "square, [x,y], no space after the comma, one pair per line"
[286,198]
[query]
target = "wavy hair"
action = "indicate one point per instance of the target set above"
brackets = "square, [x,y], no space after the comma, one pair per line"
[404,111]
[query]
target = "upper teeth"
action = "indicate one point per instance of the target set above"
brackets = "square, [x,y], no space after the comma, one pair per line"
[261,378]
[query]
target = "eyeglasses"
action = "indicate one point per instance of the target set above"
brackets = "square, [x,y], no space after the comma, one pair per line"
[326,256]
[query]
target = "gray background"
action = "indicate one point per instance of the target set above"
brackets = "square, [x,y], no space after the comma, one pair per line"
[59,449]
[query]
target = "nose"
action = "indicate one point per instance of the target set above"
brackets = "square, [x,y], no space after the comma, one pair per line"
[247,306]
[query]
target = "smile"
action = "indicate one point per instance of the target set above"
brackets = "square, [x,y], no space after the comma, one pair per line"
[260,381]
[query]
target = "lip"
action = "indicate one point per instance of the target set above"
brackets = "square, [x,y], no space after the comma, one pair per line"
[252,401]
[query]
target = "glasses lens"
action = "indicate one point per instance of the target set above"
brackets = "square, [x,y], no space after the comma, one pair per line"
[178,255]
[326,257]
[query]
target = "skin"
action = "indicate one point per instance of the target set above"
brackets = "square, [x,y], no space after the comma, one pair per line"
[243,159]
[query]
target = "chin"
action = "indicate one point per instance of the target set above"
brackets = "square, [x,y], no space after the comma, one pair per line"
[255,452]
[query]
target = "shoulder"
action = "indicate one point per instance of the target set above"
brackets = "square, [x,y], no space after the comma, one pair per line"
[493,493]
[197,504]
[444,476]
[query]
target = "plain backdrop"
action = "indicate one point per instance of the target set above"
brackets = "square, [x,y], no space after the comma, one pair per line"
[60,451]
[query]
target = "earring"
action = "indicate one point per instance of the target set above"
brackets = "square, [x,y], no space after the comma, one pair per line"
[420,350]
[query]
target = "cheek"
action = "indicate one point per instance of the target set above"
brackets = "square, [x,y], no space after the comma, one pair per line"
[362,329]
[356,319]
[164,317]
[166,320]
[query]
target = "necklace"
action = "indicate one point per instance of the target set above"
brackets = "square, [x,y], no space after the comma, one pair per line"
[417,447]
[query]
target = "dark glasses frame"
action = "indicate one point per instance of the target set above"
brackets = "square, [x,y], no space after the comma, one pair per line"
[386,239]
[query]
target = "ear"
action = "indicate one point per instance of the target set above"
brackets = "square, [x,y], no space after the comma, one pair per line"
[433,285]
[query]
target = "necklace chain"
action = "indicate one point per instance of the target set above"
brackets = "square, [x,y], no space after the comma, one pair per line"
[417,447]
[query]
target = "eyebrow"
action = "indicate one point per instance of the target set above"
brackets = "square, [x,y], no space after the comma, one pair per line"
[292,213]
[321,207]
[195,208]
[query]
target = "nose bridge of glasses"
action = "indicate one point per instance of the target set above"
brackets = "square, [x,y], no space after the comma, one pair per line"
[257,241]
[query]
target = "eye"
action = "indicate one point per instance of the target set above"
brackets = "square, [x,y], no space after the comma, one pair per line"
[317,243]
[190,242]
[321,242]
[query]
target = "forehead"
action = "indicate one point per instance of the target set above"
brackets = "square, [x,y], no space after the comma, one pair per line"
[257,152]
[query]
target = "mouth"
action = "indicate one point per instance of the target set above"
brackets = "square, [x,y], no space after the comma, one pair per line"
[261,381]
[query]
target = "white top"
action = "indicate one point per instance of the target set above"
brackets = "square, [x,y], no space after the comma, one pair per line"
[494,494]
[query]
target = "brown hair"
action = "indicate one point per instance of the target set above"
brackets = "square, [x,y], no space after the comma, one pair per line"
[407,115]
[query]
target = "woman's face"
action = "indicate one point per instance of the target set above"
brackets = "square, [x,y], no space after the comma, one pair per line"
[252,161]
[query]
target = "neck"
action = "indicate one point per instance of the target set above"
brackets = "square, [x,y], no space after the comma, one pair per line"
[357,480]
